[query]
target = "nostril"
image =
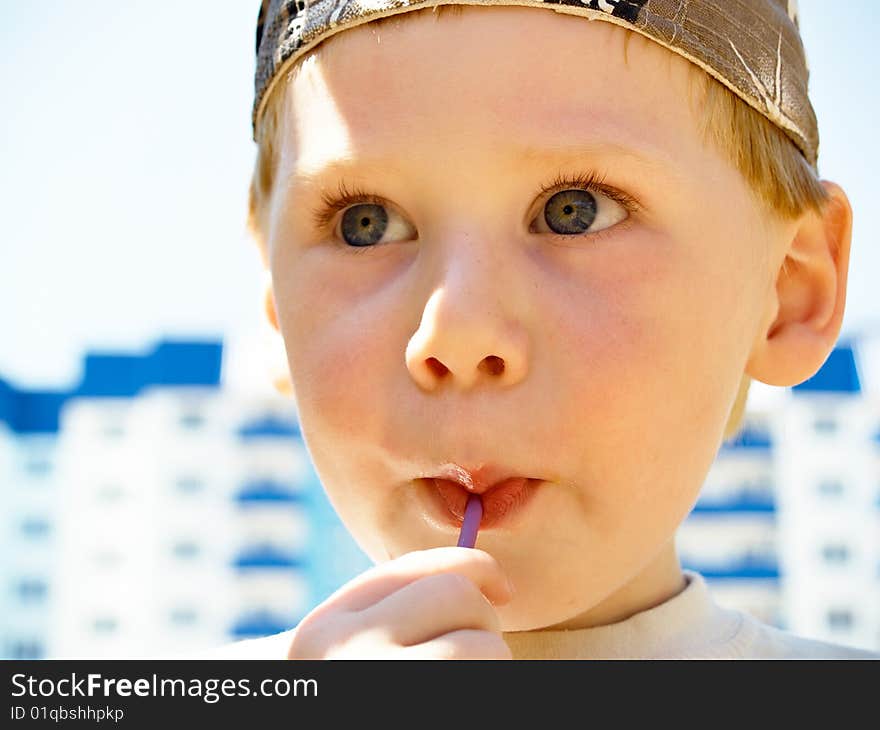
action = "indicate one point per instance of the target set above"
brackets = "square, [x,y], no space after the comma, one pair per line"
[493,364]
[437,367]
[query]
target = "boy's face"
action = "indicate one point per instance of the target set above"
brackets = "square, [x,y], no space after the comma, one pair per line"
[622,349]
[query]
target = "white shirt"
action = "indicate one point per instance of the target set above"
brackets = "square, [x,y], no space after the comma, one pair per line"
[690,625]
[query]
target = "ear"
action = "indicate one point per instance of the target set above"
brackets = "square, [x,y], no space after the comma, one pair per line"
[805,312]
[278,366]
[269,303]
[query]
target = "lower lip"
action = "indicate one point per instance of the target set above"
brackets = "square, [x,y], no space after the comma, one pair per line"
[500,504]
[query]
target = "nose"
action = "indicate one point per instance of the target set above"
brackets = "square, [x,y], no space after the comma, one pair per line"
[470,332]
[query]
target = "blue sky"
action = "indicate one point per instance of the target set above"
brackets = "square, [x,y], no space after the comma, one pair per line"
[126,154]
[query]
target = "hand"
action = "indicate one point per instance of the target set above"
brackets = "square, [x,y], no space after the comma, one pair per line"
[427,604]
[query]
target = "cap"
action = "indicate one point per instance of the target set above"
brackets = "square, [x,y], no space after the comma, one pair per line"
[753,47]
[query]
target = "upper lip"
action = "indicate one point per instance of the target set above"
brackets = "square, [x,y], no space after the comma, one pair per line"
[477,479]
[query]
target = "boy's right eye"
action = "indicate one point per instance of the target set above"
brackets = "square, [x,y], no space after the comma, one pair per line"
[367,224]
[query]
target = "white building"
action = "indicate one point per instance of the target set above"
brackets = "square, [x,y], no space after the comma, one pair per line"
[28,544]
[829,495]
[152,512]
[788,523]
[731,536]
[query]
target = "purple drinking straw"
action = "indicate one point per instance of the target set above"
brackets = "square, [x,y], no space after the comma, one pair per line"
[473,513]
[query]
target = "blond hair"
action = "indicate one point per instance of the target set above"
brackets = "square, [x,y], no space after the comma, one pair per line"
[778,175]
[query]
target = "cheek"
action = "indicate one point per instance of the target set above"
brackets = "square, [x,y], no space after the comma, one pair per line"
[654,358]
[337,346]
[648,313]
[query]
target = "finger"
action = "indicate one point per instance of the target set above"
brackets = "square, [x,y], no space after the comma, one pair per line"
[430,607]
[464,644]
[382,580]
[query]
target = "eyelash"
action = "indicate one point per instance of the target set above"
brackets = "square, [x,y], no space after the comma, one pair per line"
[594,183]
[591,181]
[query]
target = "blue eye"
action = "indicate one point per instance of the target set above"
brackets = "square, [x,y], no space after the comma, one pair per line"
[581,205]
[577,205]
[364,224]
[570,212]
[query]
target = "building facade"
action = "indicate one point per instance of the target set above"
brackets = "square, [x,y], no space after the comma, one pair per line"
[787,526]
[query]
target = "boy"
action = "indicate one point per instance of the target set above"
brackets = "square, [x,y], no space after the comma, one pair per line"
[520,254]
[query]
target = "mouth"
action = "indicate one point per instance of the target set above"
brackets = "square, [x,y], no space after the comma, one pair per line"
[502,501]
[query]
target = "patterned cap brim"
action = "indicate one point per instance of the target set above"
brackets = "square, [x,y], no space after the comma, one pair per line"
[753,47]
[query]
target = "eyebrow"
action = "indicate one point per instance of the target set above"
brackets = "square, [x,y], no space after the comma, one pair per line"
[340,166]
[647,158]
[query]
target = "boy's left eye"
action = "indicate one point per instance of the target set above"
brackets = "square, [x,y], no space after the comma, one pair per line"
[574,212]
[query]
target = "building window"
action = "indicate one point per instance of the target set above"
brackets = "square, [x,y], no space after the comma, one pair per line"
[840,618]
[189,485]
[26,650]
[38,467]
[104,625]
[183,616]
[759,485]
[192,420]
[185,549]
[110,492]
[31,590]
[106,558]
[835,553]
[831,488]
[35,527]
[113,430]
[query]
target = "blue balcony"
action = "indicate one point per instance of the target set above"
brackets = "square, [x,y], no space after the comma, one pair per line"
[267,490]
[269,427]
[737,504]
[743,569]
[267,556]
[750,438]
[259,623]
